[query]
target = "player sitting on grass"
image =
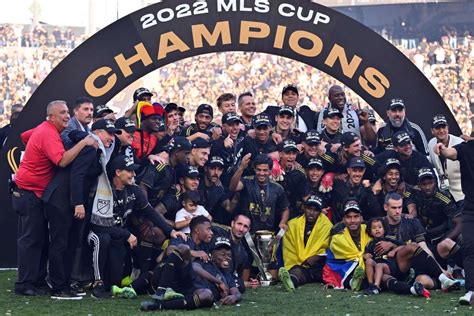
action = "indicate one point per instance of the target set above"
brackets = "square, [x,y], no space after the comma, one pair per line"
[393,263]
[199,284]
[304,246]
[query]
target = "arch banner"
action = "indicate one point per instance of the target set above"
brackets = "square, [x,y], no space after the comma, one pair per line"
[172,30]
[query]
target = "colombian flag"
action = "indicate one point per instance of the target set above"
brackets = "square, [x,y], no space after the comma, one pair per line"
[343,256]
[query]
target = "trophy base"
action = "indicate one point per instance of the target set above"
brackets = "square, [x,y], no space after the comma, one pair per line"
[266,281]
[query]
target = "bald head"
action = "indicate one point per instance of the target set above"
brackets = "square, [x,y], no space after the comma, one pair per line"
[337,97]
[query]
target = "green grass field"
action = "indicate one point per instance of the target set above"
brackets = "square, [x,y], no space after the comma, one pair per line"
[309,299]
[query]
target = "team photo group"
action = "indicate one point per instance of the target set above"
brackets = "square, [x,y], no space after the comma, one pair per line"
[184,214]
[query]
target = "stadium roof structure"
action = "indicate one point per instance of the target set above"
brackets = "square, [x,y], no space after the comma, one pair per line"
[347,3]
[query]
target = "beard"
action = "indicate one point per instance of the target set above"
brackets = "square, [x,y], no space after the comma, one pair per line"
[396,123]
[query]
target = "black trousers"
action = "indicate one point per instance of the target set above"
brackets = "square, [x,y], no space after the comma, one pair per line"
[468,244]
[107,256]
[32,240]
[61,252]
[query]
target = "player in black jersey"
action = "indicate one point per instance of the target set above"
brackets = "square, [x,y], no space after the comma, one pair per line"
[292,177]
[440,217]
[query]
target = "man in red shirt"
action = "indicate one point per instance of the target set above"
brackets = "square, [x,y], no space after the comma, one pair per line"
[44,153]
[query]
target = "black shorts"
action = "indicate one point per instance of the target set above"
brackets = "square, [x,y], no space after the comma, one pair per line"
[395,270]
[313,274]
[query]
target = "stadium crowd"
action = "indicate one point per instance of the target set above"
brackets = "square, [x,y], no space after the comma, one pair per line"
[150,204]
[23,66]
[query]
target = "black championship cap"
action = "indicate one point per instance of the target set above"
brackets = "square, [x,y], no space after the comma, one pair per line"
[170,107]
[348,138]
[331,111]
[425,173]
[287,145]
[352,206]
[396,103]
[216,161]
[312,137]
[206,109]
[284,109]
[230,117]
[107,125]
[221,242]
[356,162]
[101,109]
[400,139]
[141,92]
[126,124]
[122,162]
[289,87]
[261,119]
[180,142]
[315,163]
[201,143]
[187,171]
[392,163]
[439,120]
[315,201]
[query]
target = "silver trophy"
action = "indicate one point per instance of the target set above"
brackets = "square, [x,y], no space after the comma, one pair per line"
[265,240]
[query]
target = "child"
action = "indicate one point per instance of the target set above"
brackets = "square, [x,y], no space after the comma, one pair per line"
[190,209]
[388,263]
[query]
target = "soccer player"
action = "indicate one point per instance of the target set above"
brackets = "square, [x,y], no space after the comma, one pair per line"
[304,246]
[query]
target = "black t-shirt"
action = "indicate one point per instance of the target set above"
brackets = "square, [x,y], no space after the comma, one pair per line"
[173,202]
[158,179]
[342,191]
[212,198]
[465,155]
[263,204]
[434,212]
[407,230]
[293,183]
[131,203]
[253,146]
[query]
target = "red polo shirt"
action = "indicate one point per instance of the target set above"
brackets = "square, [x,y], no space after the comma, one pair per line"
[44,150]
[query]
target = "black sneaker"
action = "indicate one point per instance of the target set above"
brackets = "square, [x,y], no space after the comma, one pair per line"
[99,291]
[148,306]
[67,294]
[81,290]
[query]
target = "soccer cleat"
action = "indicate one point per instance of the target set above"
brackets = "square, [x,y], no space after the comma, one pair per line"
[126,281]
[357,278]
[167,294]
[420,290]
[450,285]
[285,278]
[67,294]
[148,306]
[99,291]
[125,292]
[466,298]
[372,290]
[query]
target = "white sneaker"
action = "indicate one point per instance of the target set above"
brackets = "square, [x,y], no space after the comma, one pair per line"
[466,299]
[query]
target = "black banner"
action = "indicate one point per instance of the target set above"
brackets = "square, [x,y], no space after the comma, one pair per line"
[170,31]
